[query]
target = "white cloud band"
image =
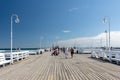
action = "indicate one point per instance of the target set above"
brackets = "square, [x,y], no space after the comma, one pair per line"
[95,41]
[66,31]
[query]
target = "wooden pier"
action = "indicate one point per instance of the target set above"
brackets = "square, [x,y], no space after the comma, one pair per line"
[47,67]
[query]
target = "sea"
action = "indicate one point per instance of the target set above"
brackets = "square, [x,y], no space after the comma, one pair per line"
[20,48]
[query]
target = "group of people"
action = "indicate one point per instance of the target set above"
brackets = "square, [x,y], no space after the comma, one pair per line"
[68,51]
[55,51]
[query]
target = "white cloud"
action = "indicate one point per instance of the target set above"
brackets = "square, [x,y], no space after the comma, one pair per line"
[95,41]
[66,31]
[73,9]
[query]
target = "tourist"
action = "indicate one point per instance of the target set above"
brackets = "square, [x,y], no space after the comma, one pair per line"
[72,52]
[66,52]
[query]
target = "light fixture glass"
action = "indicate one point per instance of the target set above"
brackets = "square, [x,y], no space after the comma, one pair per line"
[17,20]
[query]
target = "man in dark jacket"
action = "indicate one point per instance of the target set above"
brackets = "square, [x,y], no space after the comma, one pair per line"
[72,52]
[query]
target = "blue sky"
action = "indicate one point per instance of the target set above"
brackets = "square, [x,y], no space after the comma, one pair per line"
[53,20]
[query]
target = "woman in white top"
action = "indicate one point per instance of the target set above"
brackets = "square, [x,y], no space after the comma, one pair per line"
[66,52]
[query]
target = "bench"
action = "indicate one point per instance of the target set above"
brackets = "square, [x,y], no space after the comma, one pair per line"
[3,61]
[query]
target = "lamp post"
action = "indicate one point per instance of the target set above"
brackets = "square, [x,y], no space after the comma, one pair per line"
[106,39]
[107,20]
[16,21]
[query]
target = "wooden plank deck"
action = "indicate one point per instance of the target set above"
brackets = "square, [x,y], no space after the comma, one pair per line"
[46,67]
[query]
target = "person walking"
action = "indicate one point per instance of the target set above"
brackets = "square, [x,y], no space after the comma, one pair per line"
[72,52]
[66,53]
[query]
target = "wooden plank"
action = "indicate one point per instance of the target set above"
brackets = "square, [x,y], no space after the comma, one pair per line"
[47,67]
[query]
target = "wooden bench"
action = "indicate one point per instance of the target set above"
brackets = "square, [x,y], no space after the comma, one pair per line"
[3,61]
[17,55]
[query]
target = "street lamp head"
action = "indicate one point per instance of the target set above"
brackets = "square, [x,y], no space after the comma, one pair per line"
[105,31]
[104,20]
[17,20]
